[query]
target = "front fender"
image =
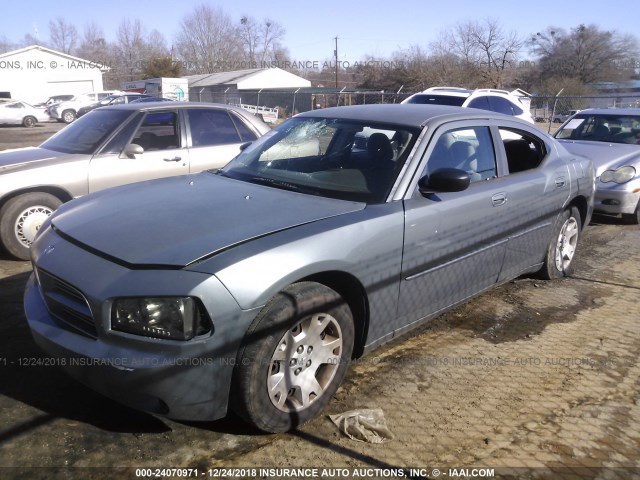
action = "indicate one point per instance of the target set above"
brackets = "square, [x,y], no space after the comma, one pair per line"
[366,244]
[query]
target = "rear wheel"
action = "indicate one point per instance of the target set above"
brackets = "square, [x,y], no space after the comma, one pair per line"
[29,121]
[295,357]
[68,116]
[21,218]
[562,247]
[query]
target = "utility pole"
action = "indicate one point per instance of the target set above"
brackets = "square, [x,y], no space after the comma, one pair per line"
[335,54]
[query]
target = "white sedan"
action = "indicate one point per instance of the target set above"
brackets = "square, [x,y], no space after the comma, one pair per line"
[15,112]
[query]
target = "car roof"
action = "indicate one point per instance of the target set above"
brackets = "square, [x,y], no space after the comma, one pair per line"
[164,105]
[451,91]
[610,111]
[410,114]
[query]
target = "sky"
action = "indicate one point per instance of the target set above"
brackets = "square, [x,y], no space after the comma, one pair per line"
[363,28]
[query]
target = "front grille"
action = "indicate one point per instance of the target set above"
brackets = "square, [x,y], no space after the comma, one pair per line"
[67,305]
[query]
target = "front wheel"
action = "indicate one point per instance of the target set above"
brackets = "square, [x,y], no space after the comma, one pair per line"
[295,357]
[632,218]
[21,218]
[562,247]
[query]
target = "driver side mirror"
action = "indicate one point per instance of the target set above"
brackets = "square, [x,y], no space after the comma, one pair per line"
[132,150]
[444,180]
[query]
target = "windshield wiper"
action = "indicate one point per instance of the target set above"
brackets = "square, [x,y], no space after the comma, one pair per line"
[270,182]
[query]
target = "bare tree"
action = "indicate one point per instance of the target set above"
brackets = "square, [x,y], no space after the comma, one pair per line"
[586,53]
[484,47]
[261,40]
[6,45]
[134,49]
[250,37]
[270,33]
[62,35]
[208,41]
[155,45]
[93,45]
[30,39]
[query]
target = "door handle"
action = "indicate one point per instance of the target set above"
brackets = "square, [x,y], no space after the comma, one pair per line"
[174,159]
[561,182]
[499,199]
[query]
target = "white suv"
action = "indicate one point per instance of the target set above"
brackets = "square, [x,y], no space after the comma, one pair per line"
[499,101]
[67,112]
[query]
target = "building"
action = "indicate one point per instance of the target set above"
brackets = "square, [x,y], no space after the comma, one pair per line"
[271,87]
[35,73]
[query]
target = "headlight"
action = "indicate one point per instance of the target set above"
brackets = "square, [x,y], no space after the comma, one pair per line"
[621,175]
[174,318]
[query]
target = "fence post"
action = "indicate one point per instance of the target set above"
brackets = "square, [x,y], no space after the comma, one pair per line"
[555,102]
[293,107]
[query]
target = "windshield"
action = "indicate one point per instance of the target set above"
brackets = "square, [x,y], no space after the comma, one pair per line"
[337,158]
[608,128]
[451,100]
[109,99]
[88,133]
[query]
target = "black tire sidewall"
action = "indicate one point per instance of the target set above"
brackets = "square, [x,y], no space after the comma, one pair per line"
[633,218]
[63,116]
[29,122]
[250,399]
[9,214]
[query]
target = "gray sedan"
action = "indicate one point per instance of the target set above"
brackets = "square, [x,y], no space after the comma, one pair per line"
[611,139]
[113,146]
[331,234]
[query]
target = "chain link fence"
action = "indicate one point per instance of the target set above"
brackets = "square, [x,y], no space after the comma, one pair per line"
[553,111]
[546,110]
[291,102]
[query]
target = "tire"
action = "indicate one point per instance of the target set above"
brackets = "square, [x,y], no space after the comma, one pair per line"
[29,121]
[562,247]
[21,218]
[287,371]
[632,218]
[68,116]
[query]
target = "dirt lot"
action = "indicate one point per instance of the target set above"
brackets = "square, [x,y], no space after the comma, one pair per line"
[535,380]
[17,136]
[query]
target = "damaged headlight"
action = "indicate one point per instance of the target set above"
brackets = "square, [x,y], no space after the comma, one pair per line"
[173,318]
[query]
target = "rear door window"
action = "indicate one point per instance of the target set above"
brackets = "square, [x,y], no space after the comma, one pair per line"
[212,127]
[501,105]
[481,103]
[246,134]
[524,151]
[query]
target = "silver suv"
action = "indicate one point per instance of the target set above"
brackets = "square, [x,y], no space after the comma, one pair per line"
[500,101]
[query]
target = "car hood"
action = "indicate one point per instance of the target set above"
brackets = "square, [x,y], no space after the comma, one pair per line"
[21,157]
[604,156]
[175,221]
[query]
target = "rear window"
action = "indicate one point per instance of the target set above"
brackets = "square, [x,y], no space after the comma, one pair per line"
[211,127]
[426,99]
